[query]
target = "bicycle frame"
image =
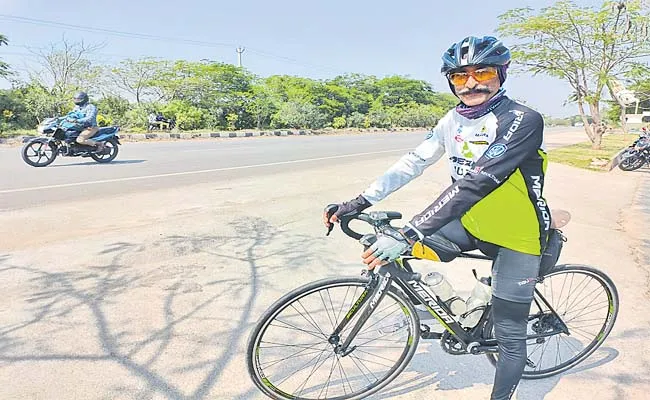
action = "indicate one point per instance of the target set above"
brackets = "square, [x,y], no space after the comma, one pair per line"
[400,273]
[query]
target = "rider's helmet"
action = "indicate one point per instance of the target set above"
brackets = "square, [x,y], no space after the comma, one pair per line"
[473,50]
[80,98]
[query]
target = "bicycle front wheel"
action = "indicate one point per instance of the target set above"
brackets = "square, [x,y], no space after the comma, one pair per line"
[290,354]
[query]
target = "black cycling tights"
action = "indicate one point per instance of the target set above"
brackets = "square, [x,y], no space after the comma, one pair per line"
[510,322]
[513,283]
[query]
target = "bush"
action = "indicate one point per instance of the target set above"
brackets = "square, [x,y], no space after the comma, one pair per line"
[188,117]
[339,122]
[299,115]
[378,117]
[415,115]
[104,120]
[356,120]
[136,118]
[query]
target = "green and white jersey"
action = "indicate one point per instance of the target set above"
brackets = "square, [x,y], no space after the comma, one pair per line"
[497,164]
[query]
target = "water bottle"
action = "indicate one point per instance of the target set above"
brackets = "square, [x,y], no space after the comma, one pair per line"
[480,296]
[443,289]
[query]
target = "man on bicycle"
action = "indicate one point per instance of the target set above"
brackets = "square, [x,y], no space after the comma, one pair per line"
[495,151]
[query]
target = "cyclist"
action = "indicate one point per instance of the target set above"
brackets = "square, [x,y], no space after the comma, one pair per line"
[495,150]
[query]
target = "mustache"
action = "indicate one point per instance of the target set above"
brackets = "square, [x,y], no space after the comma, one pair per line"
[473,91]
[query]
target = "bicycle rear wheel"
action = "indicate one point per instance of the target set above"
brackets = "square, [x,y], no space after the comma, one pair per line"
[290,356]
[586,300]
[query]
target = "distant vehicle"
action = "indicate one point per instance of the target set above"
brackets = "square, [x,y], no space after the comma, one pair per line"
[158,121]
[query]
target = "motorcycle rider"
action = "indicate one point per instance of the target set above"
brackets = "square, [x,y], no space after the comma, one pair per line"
[88,121]
[495,150]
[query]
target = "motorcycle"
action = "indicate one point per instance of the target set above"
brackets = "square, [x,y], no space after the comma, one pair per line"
[59,138]
[636,155]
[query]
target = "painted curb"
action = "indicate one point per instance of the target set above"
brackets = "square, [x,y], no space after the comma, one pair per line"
[138,137]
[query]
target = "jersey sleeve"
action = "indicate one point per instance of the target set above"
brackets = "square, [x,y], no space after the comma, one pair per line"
[515,142]
[409,166]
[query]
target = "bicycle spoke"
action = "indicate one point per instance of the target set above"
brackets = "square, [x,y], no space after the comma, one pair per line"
[374,355]
[327,310]
[308,366]
[315,334]
[316,367]
[305,365]
[369,327]
[344,375]
[304,346]
[576,294]
[588,295]
[271,363]
[312,322]
[372,362]
[582,312]
[338,315]
[356,360]
[328,379]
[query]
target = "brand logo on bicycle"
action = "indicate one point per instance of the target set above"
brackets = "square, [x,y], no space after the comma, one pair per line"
[382,287]
[431,302]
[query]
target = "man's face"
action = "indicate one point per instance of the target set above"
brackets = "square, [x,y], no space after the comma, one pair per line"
[475,85]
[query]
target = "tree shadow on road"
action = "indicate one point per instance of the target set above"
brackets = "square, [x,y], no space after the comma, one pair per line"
[72,301]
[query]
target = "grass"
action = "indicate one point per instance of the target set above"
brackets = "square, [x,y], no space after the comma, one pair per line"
[20,132]
[581,154]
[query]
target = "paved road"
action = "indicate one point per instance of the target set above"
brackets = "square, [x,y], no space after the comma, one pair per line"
[150,166]
[151,292]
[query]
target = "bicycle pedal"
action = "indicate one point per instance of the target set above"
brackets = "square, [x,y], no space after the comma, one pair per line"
[425,333]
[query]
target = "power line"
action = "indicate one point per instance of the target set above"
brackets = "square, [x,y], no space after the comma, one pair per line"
[42,22]
[111,55]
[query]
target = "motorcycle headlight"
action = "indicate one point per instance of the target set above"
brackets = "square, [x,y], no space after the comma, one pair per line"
[40,129]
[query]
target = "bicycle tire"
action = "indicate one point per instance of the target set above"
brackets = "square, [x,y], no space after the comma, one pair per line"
[252,352]
[613,308]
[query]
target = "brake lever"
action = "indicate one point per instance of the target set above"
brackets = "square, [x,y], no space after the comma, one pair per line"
[329,211]
[329,230]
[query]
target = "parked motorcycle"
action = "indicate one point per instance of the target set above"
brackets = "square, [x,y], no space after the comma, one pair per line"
[636,155]
[59,138]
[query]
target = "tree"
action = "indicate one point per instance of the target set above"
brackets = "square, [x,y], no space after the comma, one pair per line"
[4,67]
[65,68]
[218,88]
[137,77]
[583,46]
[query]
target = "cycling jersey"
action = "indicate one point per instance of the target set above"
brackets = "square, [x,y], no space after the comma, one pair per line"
[497,164]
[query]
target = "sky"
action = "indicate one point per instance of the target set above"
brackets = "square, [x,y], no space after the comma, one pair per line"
[315,39]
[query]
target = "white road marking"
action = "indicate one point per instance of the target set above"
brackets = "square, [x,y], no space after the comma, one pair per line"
[134,178]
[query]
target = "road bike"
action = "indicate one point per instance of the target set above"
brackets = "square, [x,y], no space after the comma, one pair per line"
[349,337]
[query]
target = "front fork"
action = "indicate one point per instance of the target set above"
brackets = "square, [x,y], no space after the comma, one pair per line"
[367,302]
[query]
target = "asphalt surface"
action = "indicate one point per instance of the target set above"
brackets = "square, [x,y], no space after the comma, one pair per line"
[143,279]
[150,166]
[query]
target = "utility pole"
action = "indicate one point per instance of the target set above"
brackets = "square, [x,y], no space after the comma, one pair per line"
[239,51]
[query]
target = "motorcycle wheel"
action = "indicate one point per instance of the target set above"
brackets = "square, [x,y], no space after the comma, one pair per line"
[39,153]
[631,163]
[106,157]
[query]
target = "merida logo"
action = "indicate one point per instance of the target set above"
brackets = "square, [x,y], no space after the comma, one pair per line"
[424,218]
[515,124]
[384,283]
[541,203]
[431,302]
